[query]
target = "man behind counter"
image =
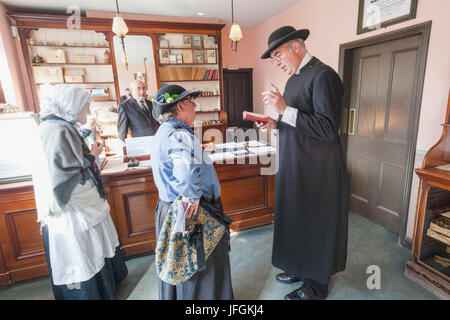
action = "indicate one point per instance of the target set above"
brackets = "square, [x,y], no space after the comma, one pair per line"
[136,114]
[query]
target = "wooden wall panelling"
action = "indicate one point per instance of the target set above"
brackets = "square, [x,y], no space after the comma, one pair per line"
[20,238]
[4,276]
[134,200]
[26,22]
[154,37]
[109,38]
[247,196]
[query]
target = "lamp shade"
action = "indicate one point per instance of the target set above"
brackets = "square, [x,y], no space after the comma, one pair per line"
[119,26]
[235,32]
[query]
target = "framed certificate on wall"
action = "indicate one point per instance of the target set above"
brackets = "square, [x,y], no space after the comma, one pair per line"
[376,14]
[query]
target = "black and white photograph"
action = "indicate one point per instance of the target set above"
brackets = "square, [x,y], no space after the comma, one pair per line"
[196,42]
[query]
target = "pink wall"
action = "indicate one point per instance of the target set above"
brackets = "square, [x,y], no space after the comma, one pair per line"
[333,23]
[244,57]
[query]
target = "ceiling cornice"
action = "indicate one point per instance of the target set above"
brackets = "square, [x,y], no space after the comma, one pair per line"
[27,20]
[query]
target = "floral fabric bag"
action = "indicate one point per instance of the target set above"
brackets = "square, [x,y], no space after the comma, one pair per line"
[180,255]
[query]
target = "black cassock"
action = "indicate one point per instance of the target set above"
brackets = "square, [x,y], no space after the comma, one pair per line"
[311,217]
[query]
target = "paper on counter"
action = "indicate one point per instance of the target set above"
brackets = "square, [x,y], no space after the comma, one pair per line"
[229,145]
[145,163]
[115,166]
[221,155]
[252,143]
[265,149]
[138,146]
[241,152]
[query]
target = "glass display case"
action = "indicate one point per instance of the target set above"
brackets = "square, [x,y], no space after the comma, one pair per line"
[17,132]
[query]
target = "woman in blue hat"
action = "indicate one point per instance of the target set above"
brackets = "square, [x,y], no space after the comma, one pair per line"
[181,169]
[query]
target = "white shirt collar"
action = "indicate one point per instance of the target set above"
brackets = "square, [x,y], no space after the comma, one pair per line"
[306,58]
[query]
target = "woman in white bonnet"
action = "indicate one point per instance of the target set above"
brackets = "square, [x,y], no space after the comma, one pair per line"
[80,240]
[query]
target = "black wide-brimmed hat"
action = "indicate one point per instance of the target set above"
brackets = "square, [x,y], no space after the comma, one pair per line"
[168,96]
[282,35]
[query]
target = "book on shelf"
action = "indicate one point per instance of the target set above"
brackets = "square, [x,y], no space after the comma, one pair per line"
[438,236]
[186,73]
[251,116]
[441,225]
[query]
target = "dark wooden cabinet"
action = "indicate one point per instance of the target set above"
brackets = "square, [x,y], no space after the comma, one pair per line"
[248,199]
[22,248]
[238,95]
[430,251]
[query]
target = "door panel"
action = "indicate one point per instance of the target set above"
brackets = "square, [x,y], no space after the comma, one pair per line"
[238,96]
[383,82]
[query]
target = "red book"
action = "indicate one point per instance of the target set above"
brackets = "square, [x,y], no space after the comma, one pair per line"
[251,116]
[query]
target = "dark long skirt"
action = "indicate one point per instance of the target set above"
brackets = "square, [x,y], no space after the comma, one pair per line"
[101,287]
[212,283]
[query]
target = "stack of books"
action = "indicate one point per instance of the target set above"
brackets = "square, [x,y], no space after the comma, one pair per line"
[187,73]
[440,228]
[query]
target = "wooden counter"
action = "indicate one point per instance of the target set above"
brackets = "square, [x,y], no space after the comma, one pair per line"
[247,196]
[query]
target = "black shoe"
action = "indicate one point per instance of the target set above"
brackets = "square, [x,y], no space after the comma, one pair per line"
[309,291]
[298,294]
[286,278]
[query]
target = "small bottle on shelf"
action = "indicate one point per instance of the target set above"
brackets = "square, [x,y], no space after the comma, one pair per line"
[107,57]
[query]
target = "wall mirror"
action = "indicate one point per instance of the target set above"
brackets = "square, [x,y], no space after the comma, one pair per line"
[141,63]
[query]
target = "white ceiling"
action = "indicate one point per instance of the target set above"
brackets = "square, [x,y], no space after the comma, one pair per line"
[248,13]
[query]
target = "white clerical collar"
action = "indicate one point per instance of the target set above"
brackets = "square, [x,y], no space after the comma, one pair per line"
[306,58]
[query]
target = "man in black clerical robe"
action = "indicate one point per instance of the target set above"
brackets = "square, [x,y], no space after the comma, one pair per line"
[311,217]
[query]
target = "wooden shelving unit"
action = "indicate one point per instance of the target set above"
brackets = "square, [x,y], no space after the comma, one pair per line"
[204,66]
[429,249]
[71,64]
[52,46]
[75,83]
[189,80]
[199,49]
[185,64]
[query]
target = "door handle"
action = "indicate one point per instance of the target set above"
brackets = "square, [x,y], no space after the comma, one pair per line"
[351,121]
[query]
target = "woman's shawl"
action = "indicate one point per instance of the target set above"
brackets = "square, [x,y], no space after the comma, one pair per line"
[63,166]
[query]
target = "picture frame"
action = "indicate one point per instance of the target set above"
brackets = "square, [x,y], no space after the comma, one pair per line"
[55,56]
[164,56]
[163,43]
[209,42]
[179,58]
[376,14]
[84,59]
[211,56]
[187,41]
[172,58]
[187,56]
[197,42]
[141,77]
[48,74]
[198,57]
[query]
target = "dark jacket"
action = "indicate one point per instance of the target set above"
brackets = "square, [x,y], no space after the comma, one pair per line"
[133,117]
[310,234]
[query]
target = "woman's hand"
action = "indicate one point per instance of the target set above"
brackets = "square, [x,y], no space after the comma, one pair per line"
[96,149]
[193,208]
[92,123]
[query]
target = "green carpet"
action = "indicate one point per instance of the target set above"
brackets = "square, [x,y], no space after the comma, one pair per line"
[254,276]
